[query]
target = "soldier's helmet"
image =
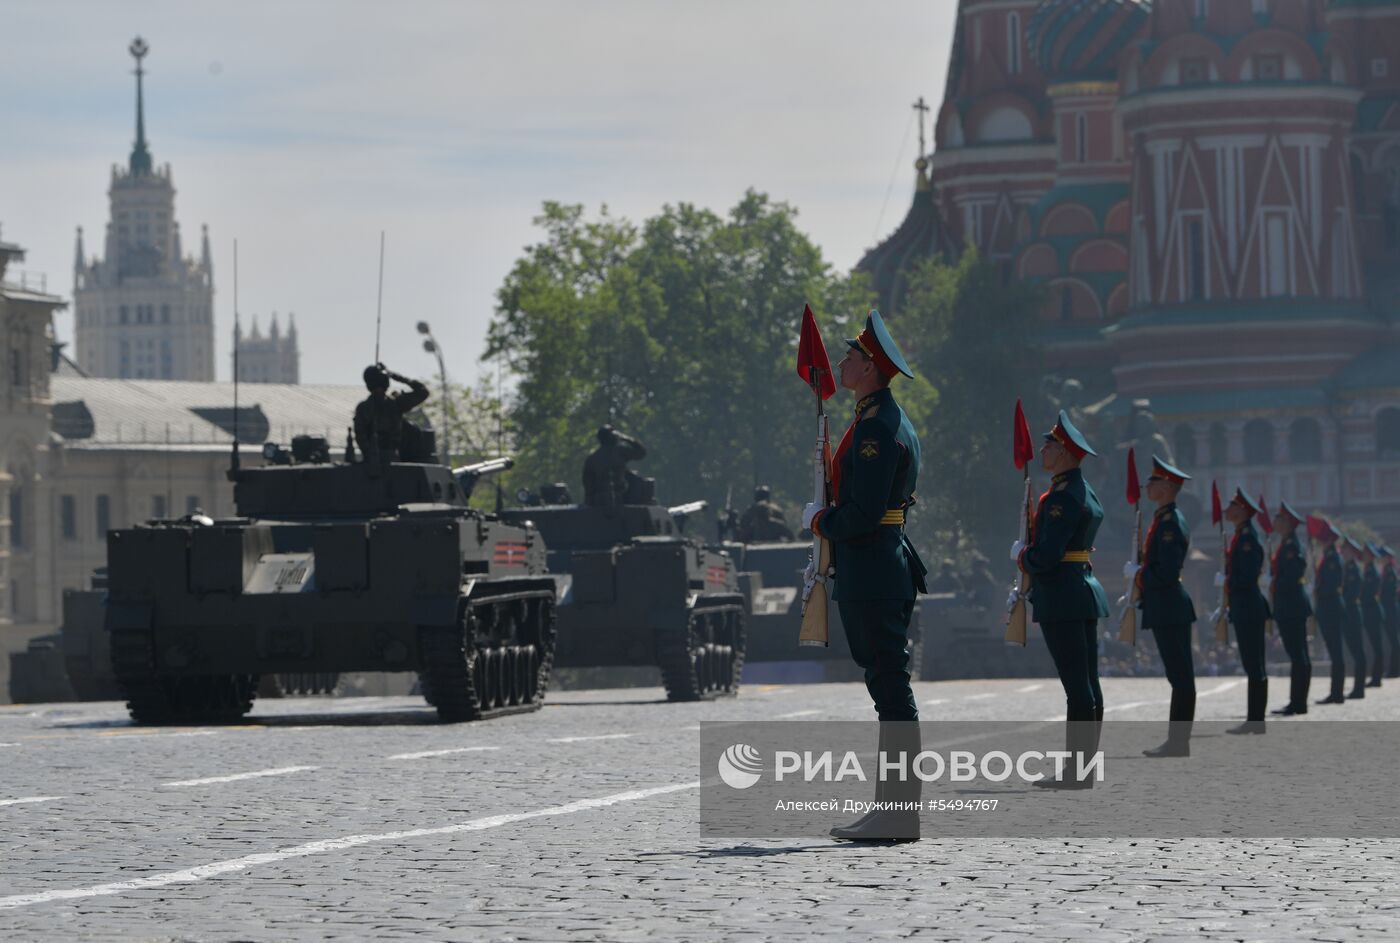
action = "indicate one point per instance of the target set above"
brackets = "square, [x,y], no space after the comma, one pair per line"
[607,435]
[762,493]
[376,378]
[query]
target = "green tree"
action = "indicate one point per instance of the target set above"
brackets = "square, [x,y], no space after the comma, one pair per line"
[975,339]
[682,332]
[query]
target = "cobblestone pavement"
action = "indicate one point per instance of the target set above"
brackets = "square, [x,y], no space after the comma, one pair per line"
[366,819]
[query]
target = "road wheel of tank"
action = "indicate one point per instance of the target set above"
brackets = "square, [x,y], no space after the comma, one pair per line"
[308,683]
[465,670]
[152,698]
[705,660]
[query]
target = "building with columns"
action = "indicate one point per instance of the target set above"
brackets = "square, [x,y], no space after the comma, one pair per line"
[144,310]
[1209,192]
[267,358]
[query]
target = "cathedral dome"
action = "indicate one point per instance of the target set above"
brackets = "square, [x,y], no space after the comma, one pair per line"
[1083,39]
[919,237]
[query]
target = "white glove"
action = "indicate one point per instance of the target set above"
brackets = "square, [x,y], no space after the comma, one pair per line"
[809,512]
[1219,577]
[1011,600]
[1266,584]
[1016,549]
[1130,570]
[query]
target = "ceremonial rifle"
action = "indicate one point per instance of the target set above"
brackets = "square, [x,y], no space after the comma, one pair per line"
[1221,616]
[1127,625]
[814,368]
[1022,451]
[1267,523]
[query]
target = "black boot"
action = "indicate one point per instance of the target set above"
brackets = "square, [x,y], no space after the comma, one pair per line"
[1182,713]
[1358,689]
[1394,670]
[1339,684]
[1256,700]
[1081,739]
[891,825]
[1298,684]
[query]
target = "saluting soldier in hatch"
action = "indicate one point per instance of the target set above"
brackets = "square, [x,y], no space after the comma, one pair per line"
[379,417]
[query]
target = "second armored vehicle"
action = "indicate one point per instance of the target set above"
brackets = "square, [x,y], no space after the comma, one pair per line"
[331,567]
[641,592]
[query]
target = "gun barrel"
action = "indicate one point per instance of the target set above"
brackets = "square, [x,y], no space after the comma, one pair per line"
[694,507]
[489,467]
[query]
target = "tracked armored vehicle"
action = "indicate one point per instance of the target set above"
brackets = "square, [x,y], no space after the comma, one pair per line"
[331,567]
[641,592]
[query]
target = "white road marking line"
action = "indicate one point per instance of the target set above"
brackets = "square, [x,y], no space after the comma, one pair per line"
[123,735]
[28,799]
[257,774]
[692,727]
[978,697]
[427,753]
[602,736]
[9,744]
[936,700]
[797,714]
[1029,688]
[214,869]
[1130,705]
[1224,687]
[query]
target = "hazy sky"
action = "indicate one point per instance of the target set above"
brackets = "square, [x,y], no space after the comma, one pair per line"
[304,128]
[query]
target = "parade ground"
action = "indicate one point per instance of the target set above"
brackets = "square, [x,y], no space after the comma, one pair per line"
[365,818]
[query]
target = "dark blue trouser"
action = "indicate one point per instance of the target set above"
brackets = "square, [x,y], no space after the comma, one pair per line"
[878,632]
[1392,631]
[1074,647]
[1295,641]
[1249,636]
[1174,645]
[1371,621]
[1351,634]
[1329,623]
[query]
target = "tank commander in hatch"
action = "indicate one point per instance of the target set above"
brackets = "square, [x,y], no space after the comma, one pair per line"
[606,477]
[379,417]
[763,520]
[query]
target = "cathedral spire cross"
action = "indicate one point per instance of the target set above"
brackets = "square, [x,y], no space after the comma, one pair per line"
[922,108]
[140,154]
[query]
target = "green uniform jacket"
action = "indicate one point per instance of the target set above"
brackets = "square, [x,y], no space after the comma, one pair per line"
[1243,565]
[1290,572]
[1351,591]
[1327,589]
[876,469]
[1066,520]
[1370,593]
[1164,601]
[1388,585]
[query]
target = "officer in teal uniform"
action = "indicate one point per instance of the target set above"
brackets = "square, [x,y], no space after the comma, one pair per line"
[1066,598]
[1327,601]
[1389,586]
[878,574]
[1372,615]
[1166,605]
[1351,613]
[1249,611]
[1289,570]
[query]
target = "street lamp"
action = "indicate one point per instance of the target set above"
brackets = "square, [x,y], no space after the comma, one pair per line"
[431,345]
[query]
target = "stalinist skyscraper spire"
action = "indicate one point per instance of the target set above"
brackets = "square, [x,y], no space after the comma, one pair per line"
[143,310]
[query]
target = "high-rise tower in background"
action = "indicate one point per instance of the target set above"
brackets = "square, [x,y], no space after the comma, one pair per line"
[144,310]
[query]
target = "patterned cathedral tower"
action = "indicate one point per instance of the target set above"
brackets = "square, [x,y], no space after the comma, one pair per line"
[144,310]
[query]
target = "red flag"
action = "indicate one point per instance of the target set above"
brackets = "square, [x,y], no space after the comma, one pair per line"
[1265,521]
[1215,514]
[811,355]
[1134,486]
[1319,529]
[1022,451]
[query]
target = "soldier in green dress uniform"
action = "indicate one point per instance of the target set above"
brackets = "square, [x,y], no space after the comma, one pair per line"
[1327,602]
[1166,605]
[1066,598]
[878,574]
[1389,585]
[1372,613]
[1289,598]
[1249,610]
[1351,613]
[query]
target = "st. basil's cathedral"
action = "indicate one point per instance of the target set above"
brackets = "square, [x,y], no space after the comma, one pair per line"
[1208,192]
